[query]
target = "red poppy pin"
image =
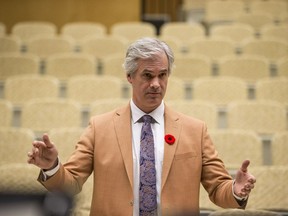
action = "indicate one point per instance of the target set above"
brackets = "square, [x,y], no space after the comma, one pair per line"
[170,139]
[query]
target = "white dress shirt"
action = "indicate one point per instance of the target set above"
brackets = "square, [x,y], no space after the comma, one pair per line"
[158,135]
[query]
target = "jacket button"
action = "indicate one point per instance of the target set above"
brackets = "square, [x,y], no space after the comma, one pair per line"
[131,203]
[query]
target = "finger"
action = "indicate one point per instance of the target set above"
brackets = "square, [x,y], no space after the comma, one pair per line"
[38,144]
[245,165]
[47,141]
[252,180]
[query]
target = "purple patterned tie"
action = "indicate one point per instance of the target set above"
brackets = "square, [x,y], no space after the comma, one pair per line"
[147,191]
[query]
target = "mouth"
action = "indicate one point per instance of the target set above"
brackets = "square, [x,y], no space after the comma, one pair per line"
[154,93]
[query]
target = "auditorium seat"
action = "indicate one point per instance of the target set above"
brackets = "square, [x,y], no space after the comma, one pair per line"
[113,66]
[214,48]
[256,20]
[176,44]
[279,148]
[65,140]
[27,30]
[133,30]
[275,89]
[9,44]
[238,32]
[275,31]
[191,67]
[80,30]
[87,89]
[17,64]
[183,31]
[176,89]
[6,113]
[282,66]
[219,90]
[230,142]
[203,110]
[15,143]
[270,192]
[67,65]
[106,105]
[217,11]
[41,115]
[20,178]
[102,47]
[264,117]
[272,49]
[247,67]
[274,8]
[45,46]
[22,88]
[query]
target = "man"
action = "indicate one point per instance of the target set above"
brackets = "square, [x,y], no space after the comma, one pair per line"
[111,148]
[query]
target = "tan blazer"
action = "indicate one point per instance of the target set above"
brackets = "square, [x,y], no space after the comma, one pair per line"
[106,148]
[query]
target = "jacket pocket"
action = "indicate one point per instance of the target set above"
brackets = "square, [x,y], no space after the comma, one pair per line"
[185,155]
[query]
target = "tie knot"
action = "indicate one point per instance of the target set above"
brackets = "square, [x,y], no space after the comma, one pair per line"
[147,119]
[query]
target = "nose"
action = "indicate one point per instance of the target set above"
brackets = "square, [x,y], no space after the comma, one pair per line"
[155,83]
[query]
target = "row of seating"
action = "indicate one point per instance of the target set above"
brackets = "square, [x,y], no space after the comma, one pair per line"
[181,36]
[262,116]
[228,142]
[85,89]
[221,11]
[188,67]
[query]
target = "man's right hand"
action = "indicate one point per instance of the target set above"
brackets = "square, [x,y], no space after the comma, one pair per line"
[43,154]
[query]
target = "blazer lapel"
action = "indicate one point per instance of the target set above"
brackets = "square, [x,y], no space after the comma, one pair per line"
[172,127]
[122,123]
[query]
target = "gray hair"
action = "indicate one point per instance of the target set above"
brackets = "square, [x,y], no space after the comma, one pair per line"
[146,48]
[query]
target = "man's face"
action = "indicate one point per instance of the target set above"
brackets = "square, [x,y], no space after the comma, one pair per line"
[149,82]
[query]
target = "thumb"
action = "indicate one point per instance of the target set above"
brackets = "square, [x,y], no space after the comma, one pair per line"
[47,141]
[245,165]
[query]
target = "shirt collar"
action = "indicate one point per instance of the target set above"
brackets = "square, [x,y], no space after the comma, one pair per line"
[157,114]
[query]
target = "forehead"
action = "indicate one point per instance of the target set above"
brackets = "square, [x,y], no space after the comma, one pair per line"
[155,63]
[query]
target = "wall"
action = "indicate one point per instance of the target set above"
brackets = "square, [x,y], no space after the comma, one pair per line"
[60,12]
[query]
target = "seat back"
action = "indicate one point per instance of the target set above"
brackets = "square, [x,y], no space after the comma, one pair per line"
[26,30]
[264,117]
[203,110]
[41,115]
[133,30]
[45,46]
[65,66]
[19,89]
[16,64]
[9,44]
[273,89]
[87,89]
[15,142]
[279,148]
[247,67]
[80,30]
[6,113]
[219,90]
[229,143]
[269,48]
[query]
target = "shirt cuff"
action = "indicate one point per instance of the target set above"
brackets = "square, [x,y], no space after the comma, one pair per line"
[49,173]
[237,197]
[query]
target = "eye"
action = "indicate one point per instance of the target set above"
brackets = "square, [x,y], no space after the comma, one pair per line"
[163,75]
[147,76]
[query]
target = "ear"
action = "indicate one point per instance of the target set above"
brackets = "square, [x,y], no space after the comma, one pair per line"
[129,78]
